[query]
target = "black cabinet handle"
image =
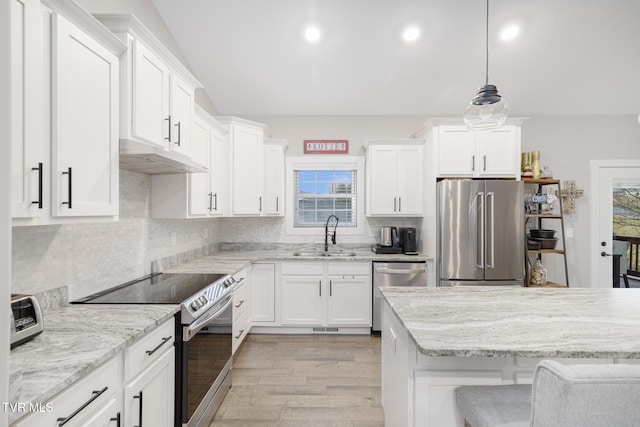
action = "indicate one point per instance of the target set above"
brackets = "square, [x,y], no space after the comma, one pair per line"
[395,199]
[164,341]
[484,162]
[68,172]
[399,204]
[330,287]
[240,303]
[168,138]
[139,396]
[116,419]
[239,333]
[277,208]
[260,209]
[178,126]
[215,206]
[319,287]
[210,201]
[96,393]
[39,201]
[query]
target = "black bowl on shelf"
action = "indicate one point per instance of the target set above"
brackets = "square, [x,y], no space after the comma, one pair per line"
[546,243]
[542,234]
[533,245]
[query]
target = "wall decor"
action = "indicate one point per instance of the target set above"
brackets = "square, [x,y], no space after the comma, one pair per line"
[569,195]
[326,146]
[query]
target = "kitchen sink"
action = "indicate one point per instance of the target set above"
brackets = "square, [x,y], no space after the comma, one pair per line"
[325,254]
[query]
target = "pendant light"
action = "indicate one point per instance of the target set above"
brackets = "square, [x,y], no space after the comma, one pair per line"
[488,110]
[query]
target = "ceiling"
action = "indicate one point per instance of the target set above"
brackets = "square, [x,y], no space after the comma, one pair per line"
[571,57]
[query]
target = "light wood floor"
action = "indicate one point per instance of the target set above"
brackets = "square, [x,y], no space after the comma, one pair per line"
[306,381]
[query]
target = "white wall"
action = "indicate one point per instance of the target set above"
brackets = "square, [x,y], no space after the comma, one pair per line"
[5,212]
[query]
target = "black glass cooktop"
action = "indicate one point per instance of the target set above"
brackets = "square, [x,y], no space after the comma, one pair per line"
[158,288]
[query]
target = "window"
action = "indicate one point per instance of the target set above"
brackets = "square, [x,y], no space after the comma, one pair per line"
[320,193]
[318,188]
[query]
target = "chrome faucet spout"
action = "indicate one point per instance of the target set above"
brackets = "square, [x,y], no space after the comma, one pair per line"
[326,232]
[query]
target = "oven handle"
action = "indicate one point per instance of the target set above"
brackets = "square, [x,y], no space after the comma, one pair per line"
[189,331]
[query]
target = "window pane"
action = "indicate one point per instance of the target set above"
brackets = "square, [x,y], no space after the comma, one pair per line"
[323,193]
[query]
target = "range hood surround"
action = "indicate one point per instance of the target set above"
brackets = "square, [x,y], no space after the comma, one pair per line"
[154,160]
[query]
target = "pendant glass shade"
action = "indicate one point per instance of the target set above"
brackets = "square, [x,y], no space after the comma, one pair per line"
[488,110]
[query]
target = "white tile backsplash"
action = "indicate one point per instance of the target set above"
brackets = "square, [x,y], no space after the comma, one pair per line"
[91,257]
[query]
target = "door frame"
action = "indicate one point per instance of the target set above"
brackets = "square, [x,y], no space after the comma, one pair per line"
[597,167]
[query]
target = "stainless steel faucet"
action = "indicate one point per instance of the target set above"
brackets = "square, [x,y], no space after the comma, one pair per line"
[326,232]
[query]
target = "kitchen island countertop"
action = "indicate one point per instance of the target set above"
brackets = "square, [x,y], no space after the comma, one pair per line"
[75,341]
[520,322]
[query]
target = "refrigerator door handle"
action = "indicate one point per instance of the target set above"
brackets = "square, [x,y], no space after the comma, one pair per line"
[491,233]
[480,231]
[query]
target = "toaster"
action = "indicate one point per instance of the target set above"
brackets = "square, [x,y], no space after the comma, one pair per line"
[26,318]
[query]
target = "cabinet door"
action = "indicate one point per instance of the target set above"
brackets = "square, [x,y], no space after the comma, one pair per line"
[200,201]
[410,165]
[85,124]
[349,300]
[150,396]
[218,173]
[263,293]
[302,300]
[182,107]
[456,151]
[248,167]
[498,151]
[28,163]
[381,191]
[274,180]
[150,87]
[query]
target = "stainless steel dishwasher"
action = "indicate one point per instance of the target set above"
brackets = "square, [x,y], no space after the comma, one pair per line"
[394,274]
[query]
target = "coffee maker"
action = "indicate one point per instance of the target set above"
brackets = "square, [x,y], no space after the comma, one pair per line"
[409,241]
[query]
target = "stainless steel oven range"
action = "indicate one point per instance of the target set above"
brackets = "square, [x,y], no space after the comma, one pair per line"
[203,335]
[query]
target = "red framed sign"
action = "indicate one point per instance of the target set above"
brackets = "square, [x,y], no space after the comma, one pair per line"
[326,146]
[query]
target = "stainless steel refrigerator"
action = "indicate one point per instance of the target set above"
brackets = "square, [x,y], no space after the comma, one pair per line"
[480,232]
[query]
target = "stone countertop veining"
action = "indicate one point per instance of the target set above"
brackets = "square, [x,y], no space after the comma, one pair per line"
[524,322]
[76,340]
[230,262]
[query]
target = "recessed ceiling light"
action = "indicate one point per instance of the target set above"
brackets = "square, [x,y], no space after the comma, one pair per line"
[509,32]
[312,34]
[411,34]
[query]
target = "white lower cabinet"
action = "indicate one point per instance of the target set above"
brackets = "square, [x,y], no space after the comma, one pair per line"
[92,401]
[148,399]
[241,309]
[263,293]
[326,294]
[143,374]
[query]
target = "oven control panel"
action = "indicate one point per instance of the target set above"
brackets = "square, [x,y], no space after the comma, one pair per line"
[206,298]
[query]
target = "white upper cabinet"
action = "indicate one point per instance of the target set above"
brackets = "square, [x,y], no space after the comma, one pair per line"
[245,140]
[150,98]
[65,67]
[157,102]
[84,125]
[464,153]
[200,194]
[29,163]
[395,170]
[274,170]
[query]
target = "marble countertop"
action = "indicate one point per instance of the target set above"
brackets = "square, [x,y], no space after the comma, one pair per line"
[76,340]
[228,262]
[524,322]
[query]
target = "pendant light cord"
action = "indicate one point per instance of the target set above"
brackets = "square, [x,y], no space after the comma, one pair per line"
[487,46]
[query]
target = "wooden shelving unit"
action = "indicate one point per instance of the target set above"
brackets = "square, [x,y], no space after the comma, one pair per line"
[540,218]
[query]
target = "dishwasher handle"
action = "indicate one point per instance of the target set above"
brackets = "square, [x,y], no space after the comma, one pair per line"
[387,270]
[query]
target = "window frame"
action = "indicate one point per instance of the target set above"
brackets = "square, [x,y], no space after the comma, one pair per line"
[326,162]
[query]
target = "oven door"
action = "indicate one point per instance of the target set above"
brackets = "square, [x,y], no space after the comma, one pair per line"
[206,364]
